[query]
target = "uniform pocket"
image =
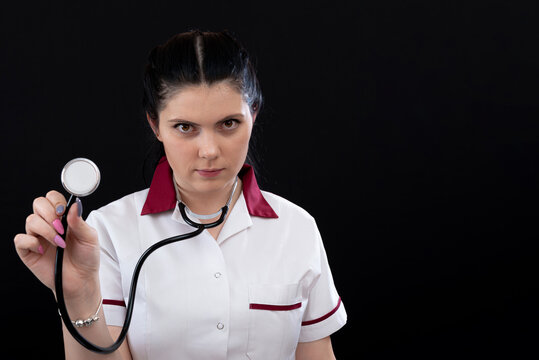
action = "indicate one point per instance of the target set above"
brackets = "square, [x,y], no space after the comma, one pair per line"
[275,313]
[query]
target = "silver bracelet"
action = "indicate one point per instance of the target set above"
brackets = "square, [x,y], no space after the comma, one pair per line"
[80,323]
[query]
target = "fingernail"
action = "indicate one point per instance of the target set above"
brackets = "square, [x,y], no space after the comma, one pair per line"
[79,207]
[60,209]
[40,250]
[57,224]
[59,241]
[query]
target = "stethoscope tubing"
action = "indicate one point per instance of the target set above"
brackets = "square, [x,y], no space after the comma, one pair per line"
[58,266]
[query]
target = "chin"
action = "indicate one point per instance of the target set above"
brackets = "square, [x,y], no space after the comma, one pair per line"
[211,184]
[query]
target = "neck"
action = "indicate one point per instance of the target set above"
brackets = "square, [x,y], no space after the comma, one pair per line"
[209,202]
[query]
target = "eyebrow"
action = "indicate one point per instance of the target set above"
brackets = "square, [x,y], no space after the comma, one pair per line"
[178,120]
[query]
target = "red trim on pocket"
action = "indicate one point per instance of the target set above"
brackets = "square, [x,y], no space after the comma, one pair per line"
[114,302]
[322,318]
[274,307]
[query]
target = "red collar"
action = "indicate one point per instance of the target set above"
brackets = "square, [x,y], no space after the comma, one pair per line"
[162,196]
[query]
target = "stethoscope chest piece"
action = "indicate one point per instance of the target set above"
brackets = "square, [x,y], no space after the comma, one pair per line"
[80,177]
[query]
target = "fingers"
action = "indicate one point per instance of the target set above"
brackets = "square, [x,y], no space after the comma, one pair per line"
[39,227]
[45,222]
[45,209]
[25,243]
[58,201]
[77,226]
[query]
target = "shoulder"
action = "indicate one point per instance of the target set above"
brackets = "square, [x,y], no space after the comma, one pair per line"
[118,223]
[129,206]
[290,214]
[284,207]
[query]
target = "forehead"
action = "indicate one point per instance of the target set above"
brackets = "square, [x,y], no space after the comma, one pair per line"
[200,103]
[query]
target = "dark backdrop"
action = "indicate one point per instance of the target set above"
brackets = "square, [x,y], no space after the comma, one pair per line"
[409,129]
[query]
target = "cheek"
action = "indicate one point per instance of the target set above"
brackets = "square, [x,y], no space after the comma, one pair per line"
[242,142]
[178,152]
[175,143]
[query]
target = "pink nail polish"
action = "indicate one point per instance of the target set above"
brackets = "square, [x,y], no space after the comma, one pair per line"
[40,250]
[59,241]
[57,224]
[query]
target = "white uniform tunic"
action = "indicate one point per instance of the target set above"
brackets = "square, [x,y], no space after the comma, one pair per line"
[257,291]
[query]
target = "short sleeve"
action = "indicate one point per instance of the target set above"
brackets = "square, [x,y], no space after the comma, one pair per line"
[109,274]
[325,311]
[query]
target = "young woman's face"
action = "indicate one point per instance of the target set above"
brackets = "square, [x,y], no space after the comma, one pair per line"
[205,131]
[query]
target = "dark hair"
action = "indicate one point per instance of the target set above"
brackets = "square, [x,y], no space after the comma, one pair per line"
[196,58]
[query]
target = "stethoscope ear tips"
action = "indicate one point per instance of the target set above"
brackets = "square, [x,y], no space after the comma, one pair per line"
[80,177]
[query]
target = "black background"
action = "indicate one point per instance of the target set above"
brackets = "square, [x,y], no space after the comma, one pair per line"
[408,129]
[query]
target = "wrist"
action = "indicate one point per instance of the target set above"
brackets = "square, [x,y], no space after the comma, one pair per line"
[88,321]
[83,308]
[83,303]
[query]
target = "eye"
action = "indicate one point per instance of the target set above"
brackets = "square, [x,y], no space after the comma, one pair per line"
[230,124]
[185,128]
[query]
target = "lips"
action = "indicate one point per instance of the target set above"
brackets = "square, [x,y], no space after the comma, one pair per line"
[209,172]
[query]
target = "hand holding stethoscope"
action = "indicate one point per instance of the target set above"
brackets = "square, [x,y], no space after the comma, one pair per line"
[45,232]
[76,266]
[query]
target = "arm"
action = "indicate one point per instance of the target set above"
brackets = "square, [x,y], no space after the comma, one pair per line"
[37,250]
[98,333]
[124,348]
[315,350]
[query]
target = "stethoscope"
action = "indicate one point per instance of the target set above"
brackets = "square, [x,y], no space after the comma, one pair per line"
[80,177]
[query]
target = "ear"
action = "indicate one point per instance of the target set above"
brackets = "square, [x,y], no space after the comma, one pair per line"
[155,128]
[255,111]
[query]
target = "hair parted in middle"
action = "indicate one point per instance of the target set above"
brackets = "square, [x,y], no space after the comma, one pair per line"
[197,58]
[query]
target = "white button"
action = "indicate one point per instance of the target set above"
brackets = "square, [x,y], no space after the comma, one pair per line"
[220,326]
[217,275]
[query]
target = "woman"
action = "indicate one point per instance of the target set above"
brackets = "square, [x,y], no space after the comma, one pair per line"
[258,286]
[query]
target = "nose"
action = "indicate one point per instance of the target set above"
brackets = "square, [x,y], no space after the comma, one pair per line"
[208,147]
